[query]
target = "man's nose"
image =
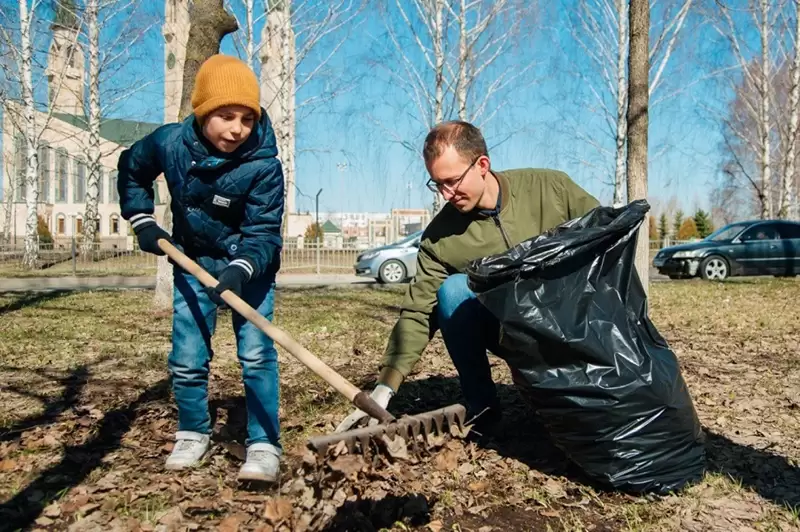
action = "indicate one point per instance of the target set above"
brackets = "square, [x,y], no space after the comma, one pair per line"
[447,194]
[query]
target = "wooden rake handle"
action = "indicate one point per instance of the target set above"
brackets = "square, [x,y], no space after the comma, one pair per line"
[356,396]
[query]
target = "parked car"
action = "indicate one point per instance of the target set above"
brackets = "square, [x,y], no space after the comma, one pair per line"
[393,263]
[761,247]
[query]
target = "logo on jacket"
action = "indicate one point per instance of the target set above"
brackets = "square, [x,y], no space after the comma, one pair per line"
[220,201]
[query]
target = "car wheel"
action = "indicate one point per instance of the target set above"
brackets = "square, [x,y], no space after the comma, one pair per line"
[714,268]
[392,271]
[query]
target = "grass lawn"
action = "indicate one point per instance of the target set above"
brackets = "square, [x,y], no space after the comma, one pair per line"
[87,421]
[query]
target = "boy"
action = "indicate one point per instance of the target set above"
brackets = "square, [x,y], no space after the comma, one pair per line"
[226,186]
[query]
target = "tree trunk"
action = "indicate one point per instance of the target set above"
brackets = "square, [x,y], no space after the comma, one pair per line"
[638,98]
[92,189]
[787,189]
[209,23]
[31,256]
[463,58]
[766,171]
[287,98]
[622,102]
[250,45]
[438,53]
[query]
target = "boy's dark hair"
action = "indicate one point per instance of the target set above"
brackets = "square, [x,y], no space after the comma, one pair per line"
[463,136]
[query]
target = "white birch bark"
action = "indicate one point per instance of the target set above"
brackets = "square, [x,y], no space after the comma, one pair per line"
[463,61]
[764,122]
[622,103]
[95,170]
[31,256]
[438,54]
[788,197]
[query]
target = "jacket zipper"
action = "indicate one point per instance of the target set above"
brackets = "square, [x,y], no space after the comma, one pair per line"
[496,218]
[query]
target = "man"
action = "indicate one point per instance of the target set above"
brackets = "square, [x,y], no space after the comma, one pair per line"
[487,213]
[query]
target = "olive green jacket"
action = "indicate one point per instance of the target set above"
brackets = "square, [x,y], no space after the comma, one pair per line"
[532,201]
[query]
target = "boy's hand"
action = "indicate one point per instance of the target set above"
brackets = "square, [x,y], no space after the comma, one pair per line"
[232,278]
[148,234]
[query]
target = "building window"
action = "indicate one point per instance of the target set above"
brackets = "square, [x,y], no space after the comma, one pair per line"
[44,173]
[79,188]
[78,226]
[113,192]
[62,171]
[61,224]
[114,224]
[21,152]
[98,226]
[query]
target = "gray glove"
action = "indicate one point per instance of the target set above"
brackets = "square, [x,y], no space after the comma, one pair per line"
[381,395]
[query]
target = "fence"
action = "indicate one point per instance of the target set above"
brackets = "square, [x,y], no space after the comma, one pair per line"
[66,260]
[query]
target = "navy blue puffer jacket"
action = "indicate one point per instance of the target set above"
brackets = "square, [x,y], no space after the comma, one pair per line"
[225,207]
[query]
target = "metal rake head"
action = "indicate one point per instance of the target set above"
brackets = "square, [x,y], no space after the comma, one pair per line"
[417,431]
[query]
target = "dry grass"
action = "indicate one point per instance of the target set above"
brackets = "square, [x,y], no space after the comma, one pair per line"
[87,421]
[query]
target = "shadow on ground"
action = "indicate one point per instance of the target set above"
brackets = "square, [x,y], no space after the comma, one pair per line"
[78,461]
[28,299]
[521,437]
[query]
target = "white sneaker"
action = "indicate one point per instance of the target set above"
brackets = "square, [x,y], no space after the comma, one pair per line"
[263,463]
[189,449]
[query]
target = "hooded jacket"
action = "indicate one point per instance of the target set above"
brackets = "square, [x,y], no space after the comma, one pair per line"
[227,207]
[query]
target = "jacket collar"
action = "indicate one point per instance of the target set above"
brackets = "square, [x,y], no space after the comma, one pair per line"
[503,197]
[261,144]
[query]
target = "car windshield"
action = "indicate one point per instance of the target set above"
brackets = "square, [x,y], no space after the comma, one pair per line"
[728,232]
[406,239]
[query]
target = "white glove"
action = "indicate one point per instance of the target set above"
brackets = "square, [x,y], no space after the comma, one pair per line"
[381,395]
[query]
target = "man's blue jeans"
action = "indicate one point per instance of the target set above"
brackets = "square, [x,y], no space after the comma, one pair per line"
[193,322]
[468,330]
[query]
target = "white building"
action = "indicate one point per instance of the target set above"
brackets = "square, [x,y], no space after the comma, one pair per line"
[62,154]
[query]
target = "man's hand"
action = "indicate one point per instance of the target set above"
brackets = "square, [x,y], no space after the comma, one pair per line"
[232,278]
[148,233]
[381,394]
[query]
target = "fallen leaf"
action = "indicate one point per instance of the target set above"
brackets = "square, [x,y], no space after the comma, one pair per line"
[171,517]
[230,524]
[88,508]
[466,468]
[348,464]
[477,486]
[236,450]
[397,447]
[550,513]
[486,529]
[277,510]
[44,521]
[446,461]
[8,465]
[53,510]
[555,489]
[435,526]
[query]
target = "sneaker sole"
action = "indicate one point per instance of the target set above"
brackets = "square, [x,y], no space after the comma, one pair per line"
[253,475]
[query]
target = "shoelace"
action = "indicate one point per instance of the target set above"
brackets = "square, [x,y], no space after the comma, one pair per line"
[185,445]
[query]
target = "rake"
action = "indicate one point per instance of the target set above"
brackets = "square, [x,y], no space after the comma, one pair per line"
[428,428]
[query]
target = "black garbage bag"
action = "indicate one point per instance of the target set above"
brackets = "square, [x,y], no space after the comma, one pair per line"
[575,332]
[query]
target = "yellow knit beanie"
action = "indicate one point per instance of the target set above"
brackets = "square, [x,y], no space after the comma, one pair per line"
[224,80]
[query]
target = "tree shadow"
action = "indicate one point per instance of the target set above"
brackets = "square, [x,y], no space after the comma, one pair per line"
[73,384]
[29,299]
[369,515]
[78,461]
[522,437]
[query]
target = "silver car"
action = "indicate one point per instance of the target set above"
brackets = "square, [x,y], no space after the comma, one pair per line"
[393,263]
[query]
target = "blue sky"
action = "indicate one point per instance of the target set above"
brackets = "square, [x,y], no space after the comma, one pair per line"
[536,125]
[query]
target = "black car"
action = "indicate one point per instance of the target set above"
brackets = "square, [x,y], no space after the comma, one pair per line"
[762,247]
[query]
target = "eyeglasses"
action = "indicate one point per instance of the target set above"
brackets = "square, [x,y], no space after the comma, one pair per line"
[451,186]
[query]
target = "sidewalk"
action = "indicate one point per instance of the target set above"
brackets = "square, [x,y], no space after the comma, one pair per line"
[33,284]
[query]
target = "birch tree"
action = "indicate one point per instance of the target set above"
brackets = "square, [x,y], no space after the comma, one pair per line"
[23,115]
[600,29]
[757,78]
[287,69]
[447,57]
[106,61]
[788,193]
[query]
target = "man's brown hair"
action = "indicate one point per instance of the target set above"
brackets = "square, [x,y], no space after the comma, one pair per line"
[463,136]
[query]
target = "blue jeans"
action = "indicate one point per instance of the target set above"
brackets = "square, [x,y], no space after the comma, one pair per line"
[468,330]
[194,319]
